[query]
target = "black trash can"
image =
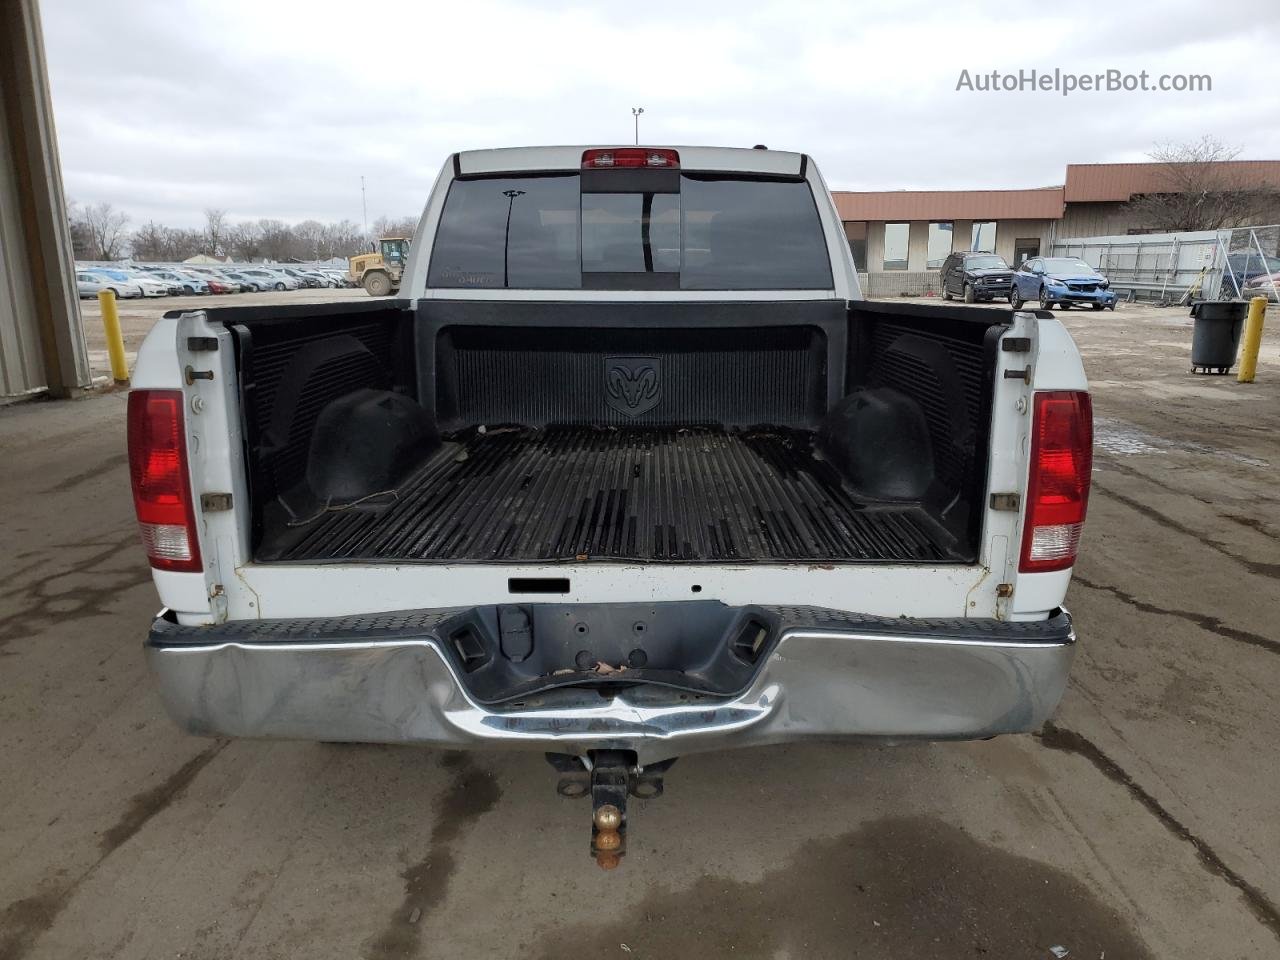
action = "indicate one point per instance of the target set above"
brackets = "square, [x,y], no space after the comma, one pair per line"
[1215,338]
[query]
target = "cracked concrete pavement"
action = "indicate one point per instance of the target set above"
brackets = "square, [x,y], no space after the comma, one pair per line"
[1140,823]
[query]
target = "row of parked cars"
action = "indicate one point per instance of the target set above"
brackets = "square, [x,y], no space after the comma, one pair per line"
[975,277]
[152,280]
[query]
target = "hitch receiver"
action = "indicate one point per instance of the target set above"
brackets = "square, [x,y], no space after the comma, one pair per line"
[609,776]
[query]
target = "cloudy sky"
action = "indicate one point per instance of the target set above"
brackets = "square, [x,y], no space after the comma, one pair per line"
[276,109]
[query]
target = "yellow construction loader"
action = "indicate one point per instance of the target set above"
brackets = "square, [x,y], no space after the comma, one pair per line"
[379,273]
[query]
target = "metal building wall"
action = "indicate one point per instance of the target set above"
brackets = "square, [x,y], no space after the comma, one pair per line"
[1097,219]
[42,345]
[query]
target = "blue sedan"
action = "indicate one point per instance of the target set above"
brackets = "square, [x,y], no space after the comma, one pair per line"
[1061,280]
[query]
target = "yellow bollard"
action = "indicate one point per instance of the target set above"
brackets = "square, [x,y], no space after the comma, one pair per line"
[1252,340]
[115,339]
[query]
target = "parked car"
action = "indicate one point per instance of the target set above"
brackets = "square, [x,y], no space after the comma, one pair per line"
[322,279]
[305,278]
[272,279]
[1066,281]
[637,566]
[189,283]
[247,284]
[89,285]
[1245,268]
[149,286]
[975,276]
[222,285]
[151,272]
[90,282]
[1263,285]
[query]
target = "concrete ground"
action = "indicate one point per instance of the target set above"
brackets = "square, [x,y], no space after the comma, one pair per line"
[1140,822]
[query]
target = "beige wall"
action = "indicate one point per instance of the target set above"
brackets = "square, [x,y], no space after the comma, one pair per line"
[1009,232]
[875,244]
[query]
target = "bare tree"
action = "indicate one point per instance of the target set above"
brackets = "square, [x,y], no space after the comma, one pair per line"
[341,239]
[307,237]
[1200,189]
[105,226]
[156,242]
[276,239]
[81,243]
[98,233]
[245,242]
[215,232]
[183,243]
[150,242]
[397,227]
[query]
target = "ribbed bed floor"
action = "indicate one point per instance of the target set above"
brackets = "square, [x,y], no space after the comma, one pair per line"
[664,494]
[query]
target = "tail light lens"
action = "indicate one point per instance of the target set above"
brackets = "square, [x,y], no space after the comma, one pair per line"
[1058,486]
[630,158]
[161,483]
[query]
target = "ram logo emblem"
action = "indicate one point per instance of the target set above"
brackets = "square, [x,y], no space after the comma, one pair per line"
[633,385]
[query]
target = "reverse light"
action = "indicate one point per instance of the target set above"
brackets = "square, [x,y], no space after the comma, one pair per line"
[1058,482]
[609,158]
[161,483]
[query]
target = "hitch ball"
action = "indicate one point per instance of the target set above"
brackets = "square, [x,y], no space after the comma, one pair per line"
[608,840]
[608,817]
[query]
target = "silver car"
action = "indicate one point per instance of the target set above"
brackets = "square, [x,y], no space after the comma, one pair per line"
[91,284]
[272,280]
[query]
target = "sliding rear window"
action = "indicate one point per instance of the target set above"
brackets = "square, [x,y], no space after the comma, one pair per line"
[659,232]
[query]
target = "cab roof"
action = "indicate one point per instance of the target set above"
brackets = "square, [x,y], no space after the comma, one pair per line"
[704,159]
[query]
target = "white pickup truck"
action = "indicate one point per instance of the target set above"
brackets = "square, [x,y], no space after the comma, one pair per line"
[630,471]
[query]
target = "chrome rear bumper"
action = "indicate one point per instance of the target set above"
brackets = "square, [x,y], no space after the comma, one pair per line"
[827,678]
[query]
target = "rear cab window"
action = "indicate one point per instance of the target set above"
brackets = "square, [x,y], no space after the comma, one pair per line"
[630,230]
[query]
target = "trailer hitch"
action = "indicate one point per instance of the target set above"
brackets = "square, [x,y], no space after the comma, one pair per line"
[609,777]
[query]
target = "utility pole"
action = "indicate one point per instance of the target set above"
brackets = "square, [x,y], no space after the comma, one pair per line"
[506,246]
[364,208]
[635,112]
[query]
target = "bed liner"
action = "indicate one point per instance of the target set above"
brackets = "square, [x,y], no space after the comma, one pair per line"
[575,493]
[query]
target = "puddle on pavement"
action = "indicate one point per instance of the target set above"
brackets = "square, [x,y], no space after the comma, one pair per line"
[910,887]
[1124,439]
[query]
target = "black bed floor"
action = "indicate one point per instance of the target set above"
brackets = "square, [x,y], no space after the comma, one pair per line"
[666,494]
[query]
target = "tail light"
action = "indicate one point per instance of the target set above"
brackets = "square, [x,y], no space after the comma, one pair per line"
[630,158]
[161,483]
[1058,486]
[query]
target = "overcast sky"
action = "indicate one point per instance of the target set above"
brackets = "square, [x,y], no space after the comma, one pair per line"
[276,109]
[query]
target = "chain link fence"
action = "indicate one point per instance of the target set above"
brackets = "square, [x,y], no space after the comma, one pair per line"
[1173,268]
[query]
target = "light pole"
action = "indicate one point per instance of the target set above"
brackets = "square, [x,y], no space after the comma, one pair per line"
[506,244]
[635,112]
[364,208]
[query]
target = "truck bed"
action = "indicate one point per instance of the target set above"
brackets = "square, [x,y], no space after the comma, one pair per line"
[566,493]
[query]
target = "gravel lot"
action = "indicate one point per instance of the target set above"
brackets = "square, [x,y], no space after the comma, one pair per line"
[1140,823]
